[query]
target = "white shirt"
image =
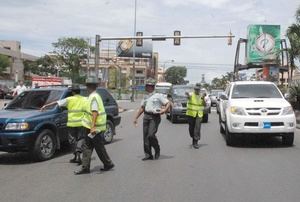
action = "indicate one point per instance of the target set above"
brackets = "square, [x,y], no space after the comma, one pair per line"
[153,102]
[20,89]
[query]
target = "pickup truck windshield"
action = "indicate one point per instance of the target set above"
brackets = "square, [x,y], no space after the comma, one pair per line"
[255,91]
[180,92]
[34,99]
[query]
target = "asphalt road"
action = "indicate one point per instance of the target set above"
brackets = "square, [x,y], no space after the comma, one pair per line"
[256,170]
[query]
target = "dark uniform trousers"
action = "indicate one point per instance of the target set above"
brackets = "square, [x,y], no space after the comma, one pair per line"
[150,126]
[89,144]
[195,127]
[76,138]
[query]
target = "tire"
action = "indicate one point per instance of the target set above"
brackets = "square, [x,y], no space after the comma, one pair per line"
[222,131]
[110,132]
[173,118]
[205,118]
[44,146]
[230,138]
[288,139]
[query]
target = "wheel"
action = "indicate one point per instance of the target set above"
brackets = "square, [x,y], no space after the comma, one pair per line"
[44,146]
[230,139]
[288,139]
[205,118]
[222,131]
[110,131]
[173,118]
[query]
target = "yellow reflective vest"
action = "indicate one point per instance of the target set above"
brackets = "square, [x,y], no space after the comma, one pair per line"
[75,110]
[101,118]
[195,106]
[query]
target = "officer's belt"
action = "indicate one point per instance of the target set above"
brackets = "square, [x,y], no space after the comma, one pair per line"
[151,113]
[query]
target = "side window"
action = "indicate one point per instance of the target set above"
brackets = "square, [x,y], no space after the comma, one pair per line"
[106,97]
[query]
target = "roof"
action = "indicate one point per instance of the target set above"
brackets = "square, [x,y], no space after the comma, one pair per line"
[252,82]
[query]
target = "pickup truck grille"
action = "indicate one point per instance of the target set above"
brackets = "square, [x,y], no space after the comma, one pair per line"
[271,111]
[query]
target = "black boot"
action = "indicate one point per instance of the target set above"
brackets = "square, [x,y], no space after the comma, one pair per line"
[82,171]
[107,167]
[195,144]
[73,160]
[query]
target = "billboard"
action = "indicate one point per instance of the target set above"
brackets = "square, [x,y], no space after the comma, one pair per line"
[263,45]
[124,49]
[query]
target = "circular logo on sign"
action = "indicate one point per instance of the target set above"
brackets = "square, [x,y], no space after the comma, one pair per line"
[125,45]
[265,43]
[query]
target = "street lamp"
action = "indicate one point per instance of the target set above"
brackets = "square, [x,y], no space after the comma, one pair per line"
[133,54]
[164,67]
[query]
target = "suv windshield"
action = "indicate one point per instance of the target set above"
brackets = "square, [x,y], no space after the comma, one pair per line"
[180,92]
[35,99]
[255,91]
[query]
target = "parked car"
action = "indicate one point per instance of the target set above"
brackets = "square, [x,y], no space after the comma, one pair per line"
[218,101]
[179,100]
[23,127]
[214,97]
[256,107]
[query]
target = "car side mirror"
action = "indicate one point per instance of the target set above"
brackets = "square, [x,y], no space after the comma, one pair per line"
[223,97]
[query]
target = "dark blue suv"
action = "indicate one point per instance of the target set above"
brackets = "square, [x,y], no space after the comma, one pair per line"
[23,127]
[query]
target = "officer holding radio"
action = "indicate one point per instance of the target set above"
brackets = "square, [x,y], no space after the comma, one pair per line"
[153,105]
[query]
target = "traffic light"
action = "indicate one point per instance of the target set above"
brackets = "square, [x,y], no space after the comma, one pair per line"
[229,39]
[177,39]
[139,42]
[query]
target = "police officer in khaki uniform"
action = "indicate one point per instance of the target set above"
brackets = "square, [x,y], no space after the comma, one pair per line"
[153,105]
[195,107]
[94,121]
[74,104]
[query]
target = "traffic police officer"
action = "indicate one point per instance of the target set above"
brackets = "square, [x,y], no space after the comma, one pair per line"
[153,105]
[94,122]
[74,104]
[195,107]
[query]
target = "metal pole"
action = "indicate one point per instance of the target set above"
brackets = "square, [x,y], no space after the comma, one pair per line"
[97,52]
[133,55]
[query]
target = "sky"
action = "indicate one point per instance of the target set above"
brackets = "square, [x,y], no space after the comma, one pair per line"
[39,23]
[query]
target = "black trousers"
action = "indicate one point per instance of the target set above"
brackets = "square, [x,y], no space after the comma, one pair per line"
[98,143]
[195,127]
[76,138]
[150,127]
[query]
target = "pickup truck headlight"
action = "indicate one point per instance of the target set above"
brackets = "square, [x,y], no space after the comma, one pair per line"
[17,126]
[237,111]
[287,110]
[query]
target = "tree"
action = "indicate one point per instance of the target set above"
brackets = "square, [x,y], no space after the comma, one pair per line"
[176,74]
[70,52]
[293,34]
[4,63]
[43,66]
[221,83]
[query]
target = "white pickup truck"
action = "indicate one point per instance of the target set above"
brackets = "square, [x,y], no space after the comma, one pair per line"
[255,107]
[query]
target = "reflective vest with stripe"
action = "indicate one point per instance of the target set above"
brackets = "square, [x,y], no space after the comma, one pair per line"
[75,110]
[101,118]
[195,106]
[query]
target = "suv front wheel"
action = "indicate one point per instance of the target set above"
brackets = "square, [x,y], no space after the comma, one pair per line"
[44,146]
[288,139]
[230,138]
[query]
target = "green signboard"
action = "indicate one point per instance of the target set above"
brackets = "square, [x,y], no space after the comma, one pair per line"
[263,45]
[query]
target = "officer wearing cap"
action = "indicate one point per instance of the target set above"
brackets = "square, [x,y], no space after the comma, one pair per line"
[195,107]
[153,105]
[74,104]
[94,121]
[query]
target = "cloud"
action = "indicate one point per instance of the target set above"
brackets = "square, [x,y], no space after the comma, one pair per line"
[207,3]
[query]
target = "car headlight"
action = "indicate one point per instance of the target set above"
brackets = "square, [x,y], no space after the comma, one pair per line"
[177,104]
[17,126]
[287,110]
[237,111]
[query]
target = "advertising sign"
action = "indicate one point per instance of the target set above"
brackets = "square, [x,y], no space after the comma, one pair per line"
[46,81]
[263,44]
[124,49]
